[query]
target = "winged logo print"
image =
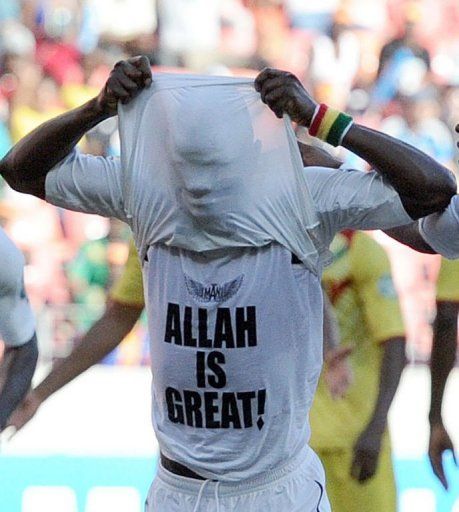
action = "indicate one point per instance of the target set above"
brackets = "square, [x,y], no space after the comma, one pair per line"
[213,292]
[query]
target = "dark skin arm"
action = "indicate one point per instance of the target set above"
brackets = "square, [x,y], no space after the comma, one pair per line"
[26,165]
[442,361]
[424,185]
[19,366]
[409,235]
[103,337]
[368,445]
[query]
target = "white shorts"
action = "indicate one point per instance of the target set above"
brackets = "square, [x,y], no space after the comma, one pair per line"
[299,486]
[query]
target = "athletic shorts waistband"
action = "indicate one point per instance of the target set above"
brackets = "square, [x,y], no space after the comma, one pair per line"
[193,486]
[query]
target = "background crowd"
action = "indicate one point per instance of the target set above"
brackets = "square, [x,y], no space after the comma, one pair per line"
[392,64]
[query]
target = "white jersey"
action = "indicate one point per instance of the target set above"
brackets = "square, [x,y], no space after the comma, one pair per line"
[236,353]
[236,331]
[441,230]
[226,171]
[17,324]
[236,334]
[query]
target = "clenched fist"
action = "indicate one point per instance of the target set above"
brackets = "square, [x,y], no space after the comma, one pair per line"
[284,93]
[126,80]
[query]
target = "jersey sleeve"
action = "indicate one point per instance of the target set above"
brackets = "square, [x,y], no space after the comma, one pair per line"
[351,199]
[128,289]
[17,322]
[378,297]
[441,230]
[89,184]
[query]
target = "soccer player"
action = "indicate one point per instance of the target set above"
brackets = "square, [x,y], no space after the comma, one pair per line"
[443,358]
[236,331]
[350,434]
[17,330]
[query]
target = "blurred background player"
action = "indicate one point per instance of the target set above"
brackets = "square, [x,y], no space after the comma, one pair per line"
[442,361]
[17,330]
[350,433]
[124,307]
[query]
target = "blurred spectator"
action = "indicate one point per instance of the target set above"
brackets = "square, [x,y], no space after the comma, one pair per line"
[316,15]
[272,32]
[41,103]
[124,20]
[419,124]
[189,32]
[408,39]
[238,37]
[334,63]
[403,61]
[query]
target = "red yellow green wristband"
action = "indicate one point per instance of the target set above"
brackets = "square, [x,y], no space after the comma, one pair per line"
[330,125]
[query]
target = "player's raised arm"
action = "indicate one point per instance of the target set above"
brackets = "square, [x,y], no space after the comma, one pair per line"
[25,167]
[424,185]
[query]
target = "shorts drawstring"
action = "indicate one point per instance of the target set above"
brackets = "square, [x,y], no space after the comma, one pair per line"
[201,490]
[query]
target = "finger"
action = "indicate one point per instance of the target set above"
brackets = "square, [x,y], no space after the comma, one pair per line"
[367,470]
[264,75]
[276,102]
[17,420]
[281,104]
[128,68]
[437,467]
[143,65]
[269,86]
[7,434]
[116,91]
[273,96]
[127,83]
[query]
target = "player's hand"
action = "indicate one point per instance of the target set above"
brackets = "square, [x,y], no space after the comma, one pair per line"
[25,411]
[439,442]
[284,93]
[126,80]
[337,371]
[366,455]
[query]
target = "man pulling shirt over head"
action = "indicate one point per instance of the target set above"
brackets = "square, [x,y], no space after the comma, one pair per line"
[235,327]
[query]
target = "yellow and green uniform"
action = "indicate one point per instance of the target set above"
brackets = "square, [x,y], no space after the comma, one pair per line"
[448,281]
[128,289]
[360,287]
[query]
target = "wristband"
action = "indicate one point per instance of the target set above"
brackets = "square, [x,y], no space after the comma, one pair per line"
[330,125]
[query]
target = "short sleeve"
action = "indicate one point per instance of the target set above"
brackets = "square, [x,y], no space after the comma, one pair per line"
[351,199]
[128,289]
[441,230]
[17,322]
[88,184]
[378,297]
